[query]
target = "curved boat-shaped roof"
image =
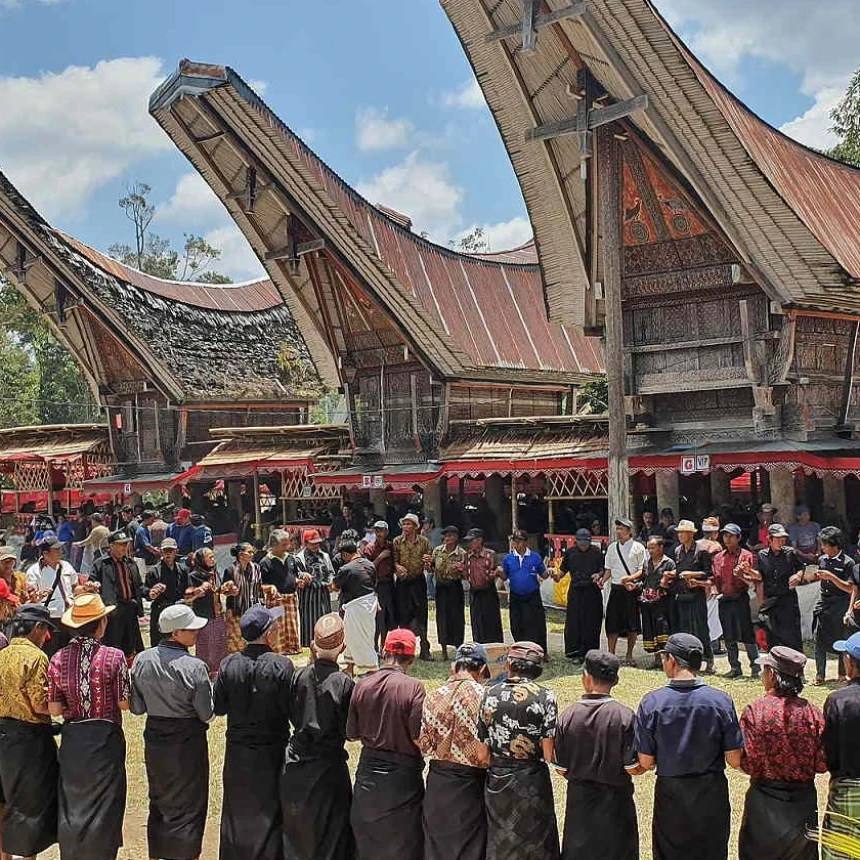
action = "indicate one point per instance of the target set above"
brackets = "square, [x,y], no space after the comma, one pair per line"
[792,214]
[473,317]
[201,342]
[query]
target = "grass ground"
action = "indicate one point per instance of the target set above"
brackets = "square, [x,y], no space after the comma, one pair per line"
[559,676]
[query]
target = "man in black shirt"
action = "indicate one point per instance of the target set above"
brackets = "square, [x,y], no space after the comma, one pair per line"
[584,616]
[841,730]
[316,791]
[278,568]
[252,689]
[166,584]
[594,744]
[356,582]
[689,588]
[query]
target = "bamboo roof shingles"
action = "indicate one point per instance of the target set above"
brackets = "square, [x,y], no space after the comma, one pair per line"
[445,304]
[51,442]
[793,215]
[211,342]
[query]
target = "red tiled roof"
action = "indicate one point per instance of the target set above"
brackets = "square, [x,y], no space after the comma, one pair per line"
[239,298]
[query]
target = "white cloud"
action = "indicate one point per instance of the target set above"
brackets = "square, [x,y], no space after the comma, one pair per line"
[423,190]
[813,128]
[237,260]
[15,4]
[192,204]
[506,235]
[467,97]
[259,87]
[64,135]
[375,131]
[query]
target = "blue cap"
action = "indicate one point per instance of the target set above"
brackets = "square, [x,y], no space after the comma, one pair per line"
[257,620]
[732,529]
[849,646]
[472,651]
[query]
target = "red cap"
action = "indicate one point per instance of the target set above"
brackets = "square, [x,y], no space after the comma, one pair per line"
[401,641]
[311,536]
[5,594]
[183,513]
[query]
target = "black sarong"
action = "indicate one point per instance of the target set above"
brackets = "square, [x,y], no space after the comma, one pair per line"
[92,790]
[386,618]
[520,811]
[386,808]
[582,621]
[600,821]
[123,630]
[736,619]
[28,775]
[450,613]
[780,617]
[776,818]
[691,817]
[622,612]
[251,810]
[528,619]
[656,624]
[410,597]
[177,766]
[455,821]
[316,796]
[828,622]
[690,615]
[486,615]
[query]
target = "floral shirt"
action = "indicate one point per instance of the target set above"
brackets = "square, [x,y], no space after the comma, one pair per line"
[449,722]
[516,715]
[783,739]
[443,563]
[89,679]
[411,555]
[23,679]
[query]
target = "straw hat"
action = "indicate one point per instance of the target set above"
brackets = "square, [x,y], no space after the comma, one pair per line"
[686,526]
[85,608]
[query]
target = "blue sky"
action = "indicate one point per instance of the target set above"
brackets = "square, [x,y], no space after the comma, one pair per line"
[380,88]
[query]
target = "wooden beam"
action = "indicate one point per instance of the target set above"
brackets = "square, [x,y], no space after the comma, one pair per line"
[215,135]
[529,30]
[848,383]
[609,205]
[299,250]
[597,117]
[574,10]
[750,361]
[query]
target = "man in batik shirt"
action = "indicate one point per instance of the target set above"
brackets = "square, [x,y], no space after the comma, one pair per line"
[410,592]
[455,821]
[484,609]
[448,566]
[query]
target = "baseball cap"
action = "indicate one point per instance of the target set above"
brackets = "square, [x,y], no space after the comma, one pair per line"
[311,536]
[119,536]
[474,534]
[401,641]
[601,665]
[180,617]
[6,594]
[583,534]
[685,647]
[520,534]
[35,612]
[183,513]
[257,620]
[785,660]
[471,651]
[7,552]
[623,521]
[849,646]
[526,650]
[381,524]
[50,541]
[169,543]
[732,529]
[777,530]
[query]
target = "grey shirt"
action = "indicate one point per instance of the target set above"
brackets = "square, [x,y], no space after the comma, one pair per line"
[166,681]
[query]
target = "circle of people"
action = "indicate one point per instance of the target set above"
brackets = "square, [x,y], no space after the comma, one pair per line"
[287,790]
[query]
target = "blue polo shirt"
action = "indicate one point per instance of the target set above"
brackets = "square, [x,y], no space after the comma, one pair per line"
[688,727]
[523,573]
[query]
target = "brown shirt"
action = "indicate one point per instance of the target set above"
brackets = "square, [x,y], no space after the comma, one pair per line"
[480,568]
[411,555]
[385,712]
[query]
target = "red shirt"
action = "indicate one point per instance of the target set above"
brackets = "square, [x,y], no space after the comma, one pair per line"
[89,680]
[723,567]
[783,739]
[385,567]
[480,568]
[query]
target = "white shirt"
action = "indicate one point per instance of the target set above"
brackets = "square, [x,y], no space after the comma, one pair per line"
[634,554]
[39,577]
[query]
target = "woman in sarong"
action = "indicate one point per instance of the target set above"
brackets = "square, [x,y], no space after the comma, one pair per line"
[243,586]
[278,571]
[783,751]
[89,688]
[517,722]
[316,790]
[655,602]
[204,595]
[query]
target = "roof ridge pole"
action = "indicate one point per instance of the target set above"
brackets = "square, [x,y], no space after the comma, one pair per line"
[609,214]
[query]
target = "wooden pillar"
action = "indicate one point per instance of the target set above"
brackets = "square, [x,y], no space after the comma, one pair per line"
[834,493]
[283,498]
[514,507]
[258,522]
[433,502]
[721,489]
[782,495]
[494,492]
[50,489]
[234,498]
[551,515]
[667,491]
[377,499]
[609,205]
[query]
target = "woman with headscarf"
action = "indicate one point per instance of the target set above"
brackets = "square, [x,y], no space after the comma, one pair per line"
[243,587]
[204,595]
[783,751]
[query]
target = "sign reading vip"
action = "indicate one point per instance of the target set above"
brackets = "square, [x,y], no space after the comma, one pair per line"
[695,463]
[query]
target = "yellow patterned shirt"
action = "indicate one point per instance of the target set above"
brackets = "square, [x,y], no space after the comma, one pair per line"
[19,588]
[23,682]
[444,561]
[411,555]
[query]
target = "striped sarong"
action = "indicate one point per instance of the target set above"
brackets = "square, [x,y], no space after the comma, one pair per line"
[840,830]
[359,622]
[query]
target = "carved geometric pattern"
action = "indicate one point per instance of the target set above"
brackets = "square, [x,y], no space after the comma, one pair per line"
[577,485]
[299,485]
[31,477]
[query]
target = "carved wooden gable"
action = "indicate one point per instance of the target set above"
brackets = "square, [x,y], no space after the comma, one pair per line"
[123,373]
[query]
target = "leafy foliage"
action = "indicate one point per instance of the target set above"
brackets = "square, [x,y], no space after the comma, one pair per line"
[846,124]
[474,242]
[594,397]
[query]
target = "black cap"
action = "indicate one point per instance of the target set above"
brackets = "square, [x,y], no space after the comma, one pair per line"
[583,534]
[686,647]
[623,521]
[35,612]
[50,542]
[451,530]
[474,533]
[119,536]
[257,620]
[520,534]
[602,666]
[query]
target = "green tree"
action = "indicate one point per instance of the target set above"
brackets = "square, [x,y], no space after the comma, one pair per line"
[474,242]
[594,397]
[846,124]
